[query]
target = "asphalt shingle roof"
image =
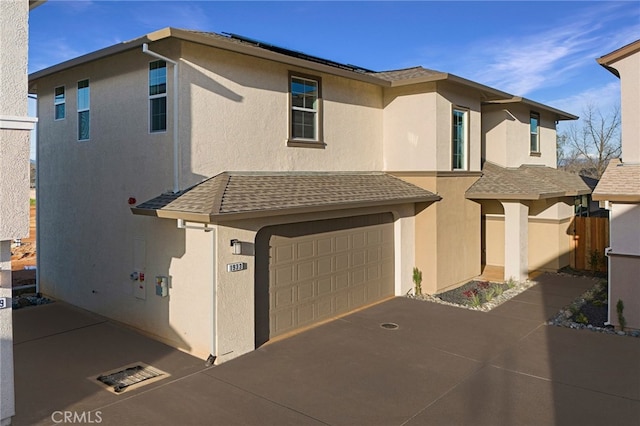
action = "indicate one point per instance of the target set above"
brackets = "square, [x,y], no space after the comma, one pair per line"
[620,182]
[527,182]
[405,74]
[247,194]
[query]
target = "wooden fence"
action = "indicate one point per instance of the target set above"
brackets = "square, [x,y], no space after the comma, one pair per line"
[590,238]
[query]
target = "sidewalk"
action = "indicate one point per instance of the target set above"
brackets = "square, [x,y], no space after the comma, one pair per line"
[442,366]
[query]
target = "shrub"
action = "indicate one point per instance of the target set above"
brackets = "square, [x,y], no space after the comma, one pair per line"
[417,280]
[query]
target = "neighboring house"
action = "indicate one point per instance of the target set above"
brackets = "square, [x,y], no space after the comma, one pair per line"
[619,187]
[272,190]
[15,127]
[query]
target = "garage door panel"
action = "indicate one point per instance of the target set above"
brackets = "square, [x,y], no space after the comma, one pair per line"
[341,262]
[324,266]
[305,291]
[318,270]
[325,246]
[305,250]
[284,275]
[305,270]
[357,296]
[341,243]
[358,258]
[283,254]
[325,286]
[342,281]
[283,297]
[306,314]
[359,240]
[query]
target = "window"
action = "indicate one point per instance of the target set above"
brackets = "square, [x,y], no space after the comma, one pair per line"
[83,110]
[534,124]
[59,102]
[459,139]
[305,109]
[157,96]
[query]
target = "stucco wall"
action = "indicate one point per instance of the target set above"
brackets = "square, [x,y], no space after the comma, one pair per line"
[236,117]
[507,137]
[410,123]
[549,233]
[417,126]
[629,69]
[623,274]
[14,144]
[447,232]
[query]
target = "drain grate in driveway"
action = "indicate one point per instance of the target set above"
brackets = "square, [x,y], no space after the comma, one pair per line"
[389,326]
[130,377]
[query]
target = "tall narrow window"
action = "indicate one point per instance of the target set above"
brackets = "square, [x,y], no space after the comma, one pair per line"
[459,139]
[305,107]
[83,110]
[534,124]
[157,96]
[59,102]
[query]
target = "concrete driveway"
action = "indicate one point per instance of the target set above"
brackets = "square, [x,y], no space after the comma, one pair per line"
[441,366]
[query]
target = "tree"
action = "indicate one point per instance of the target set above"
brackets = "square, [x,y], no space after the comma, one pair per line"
[587,146]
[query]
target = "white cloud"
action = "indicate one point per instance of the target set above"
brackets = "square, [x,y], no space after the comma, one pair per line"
[52,51]
[548,57]
[187,15]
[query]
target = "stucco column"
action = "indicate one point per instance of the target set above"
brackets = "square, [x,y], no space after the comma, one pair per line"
[7,402]
[516,240]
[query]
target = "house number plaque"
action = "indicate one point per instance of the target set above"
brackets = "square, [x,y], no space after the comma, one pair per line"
[235,267]
[5,302]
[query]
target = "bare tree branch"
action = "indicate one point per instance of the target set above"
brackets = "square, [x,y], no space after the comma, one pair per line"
[587,147]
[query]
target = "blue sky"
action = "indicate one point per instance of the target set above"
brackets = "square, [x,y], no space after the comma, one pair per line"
[542,50]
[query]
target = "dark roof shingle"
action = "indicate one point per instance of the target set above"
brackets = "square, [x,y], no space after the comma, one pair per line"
[527,182]
[620,182]
[251,194]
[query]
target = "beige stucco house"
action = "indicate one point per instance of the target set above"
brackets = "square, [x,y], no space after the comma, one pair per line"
[217,192]
[15,127]
[619,188]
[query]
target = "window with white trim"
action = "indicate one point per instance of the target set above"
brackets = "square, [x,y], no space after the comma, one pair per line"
[59,103]
[157,96]
[305,109]
[459,139]
[83,110]
[534,126]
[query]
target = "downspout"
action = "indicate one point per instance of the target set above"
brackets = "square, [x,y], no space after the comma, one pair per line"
[176,142]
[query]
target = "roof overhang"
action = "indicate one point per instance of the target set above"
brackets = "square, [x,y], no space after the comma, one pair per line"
[607,60]
[219,42]
[248,195]
[35,3]
[560,115]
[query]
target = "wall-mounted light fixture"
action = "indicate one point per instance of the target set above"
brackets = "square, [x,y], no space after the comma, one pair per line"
[236,246]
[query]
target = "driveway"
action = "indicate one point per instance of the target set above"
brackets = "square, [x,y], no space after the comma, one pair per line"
[441,366]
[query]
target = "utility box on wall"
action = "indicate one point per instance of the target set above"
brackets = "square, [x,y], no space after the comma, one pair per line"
[162,286]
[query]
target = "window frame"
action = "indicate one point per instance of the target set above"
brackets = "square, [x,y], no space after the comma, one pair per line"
[536,115]
[317,141]
[57,102]
[86,109]
[465,146]
[154,97]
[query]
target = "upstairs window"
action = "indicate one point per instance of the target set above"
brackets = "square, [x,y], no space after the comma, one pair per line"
[459,139]
[305,109]
[83,110]
[59,103]
[534,125]
[157,96]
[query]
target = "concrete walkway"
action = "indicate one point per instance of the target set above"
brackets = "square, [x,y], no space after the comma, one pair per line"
[442,366]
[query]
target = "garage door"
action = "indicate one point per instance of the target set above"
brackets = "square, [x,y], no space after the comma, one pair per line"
[318,270]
